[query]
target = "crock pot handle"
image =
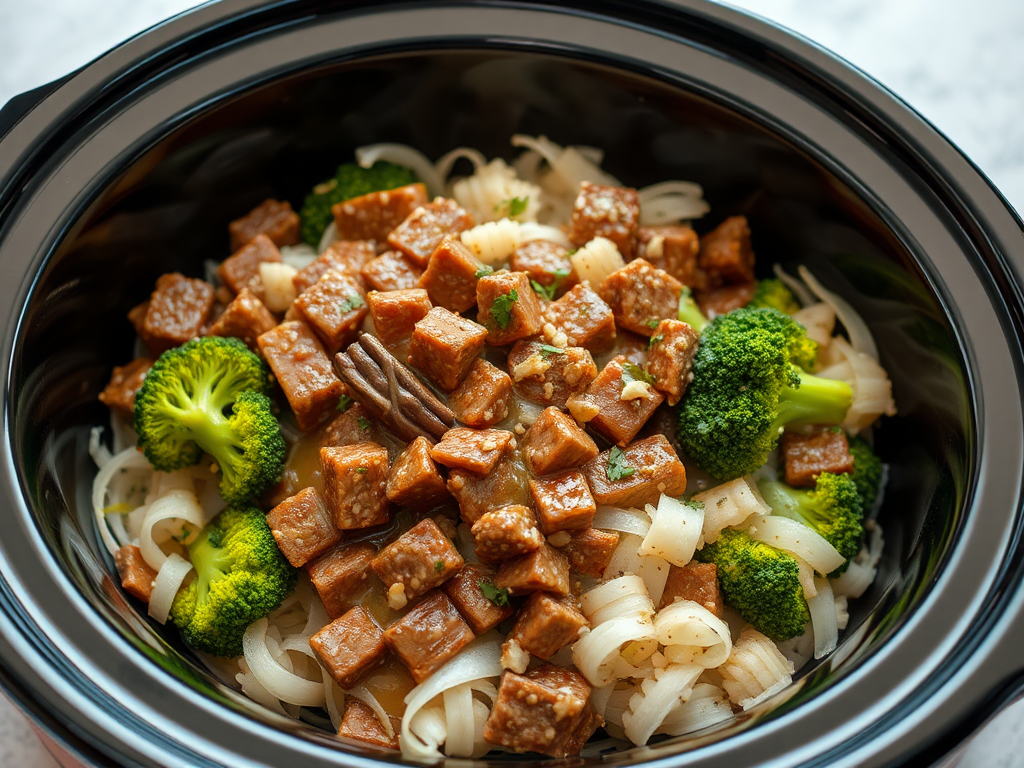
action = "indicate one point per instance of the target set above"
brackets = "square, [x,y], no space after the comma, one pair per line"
[20,105]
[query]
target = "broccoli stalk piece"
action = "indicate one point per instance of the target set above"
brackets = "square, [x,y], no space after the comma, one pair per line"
[210,395]
[689,312]
[747,385]
[241,576]
[350,181]
[759,581]
[867,472]
[832,508]
[774,293]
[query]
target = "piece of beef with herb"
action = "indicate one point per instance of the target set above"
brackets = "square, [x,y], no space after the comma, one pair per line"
[548,267]
[451,276]
[417,561]
[334,307]
[473,593]
[585,319]
[354,478]
[543,570]
[621,399]
[641,296]
[423,230]
[342,256]
[555,442]
[474,450]
[444,347]
[636,475]
[484,396]
[508,307]
[670,357]
[550,375]
[546,624]
[353,425]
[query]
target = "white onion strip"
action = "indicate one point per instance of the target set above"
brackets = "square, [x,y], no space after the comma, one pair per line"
[165,586]
[403,154]
[656,699]
[177,505]
[127,459]
[360,692]
[860,334]
[531,230]
[625,520]
[707,706]
[730,504]
[796,539]
[700,637]
[675,530]
[278,681]
[824,619]
[458,713]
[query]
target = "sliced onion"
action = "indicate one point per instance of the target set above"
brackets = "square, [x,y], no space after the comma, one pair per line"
[597,654]
[625,558]
[403,154]
[596,260]
[675,530]
[796,539]
[855,580]
[824,619]
[856,328]
[649,707]
[819,320]
[494,241]
[800,649]
[180,506]
[430,727]
[671,209]
[611,592]
[801,291]
[730,504]
[360,692]
[298,256]
[707,706]
[252,688]
[328,238]
[654,571]
[703,638]
[278,681]
[806,576]
[445,163]
[127,459]
[683,188]
[872,389]
[458,713]
[531,230]
[165,586]
[97,450]
[755,669]
[625,520]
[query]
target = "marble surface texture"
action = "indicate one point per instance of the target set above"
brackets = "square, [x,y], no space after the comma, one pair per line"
[955,61]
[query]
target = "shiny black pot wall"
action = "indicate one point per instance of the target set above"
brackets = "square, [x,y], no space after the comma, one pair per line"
[133,167]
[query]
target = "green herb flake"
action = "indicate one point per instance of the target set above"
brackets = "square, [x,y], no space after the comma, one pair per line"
[545,291]
[497,595]
[439,566]
[517,205]
[363,422]
[633,372]
[484,271]
[353,302]
[570,252]
[654,340]
[618,468]
[653,323]
[362,470]
[546,350]
[343,403]
[501,309]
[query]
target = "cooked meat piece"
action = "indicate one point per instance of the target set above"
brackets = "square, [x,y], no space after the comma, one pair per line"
[452,275]
[483,398]
[444,346]
[429,635]
[508,307]
[245,318]
[603,211]
[807,456]
[616,419]
[303,370]
[726,253]
[547,264]
[373,216]
[722,301]
[419,560]
[136,576]
[242,269]
[549,375]
[563,502]
[505,532]
[273,218]
[354,478]
[175,313]
[670,361]
[641,296]
[463,589]
[391,271]
[353,426]
[546,624]
[589,552]
[656,469]
[335,308]
[584,318]
[673,249]
[555,442]
[543,570]
[424,229]
[361,723]
[342,256]
[341,576]
[477,494]
[415,480]
[694,581]
[302,527]
[475,450]
[119,394]
[395,313]
[350,647]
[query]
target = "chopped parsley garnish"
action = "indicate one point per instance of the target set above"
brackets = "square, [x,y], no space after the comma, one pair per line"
[654,340]
[497,595]
[439,566]
[501,309]
[548,291]
[633,372]
[355,301]
[363,422]
[570,252]
[546,350]
[343,403]
[617,468]
[362,470]
[484,271]
[515,205]
[653,323]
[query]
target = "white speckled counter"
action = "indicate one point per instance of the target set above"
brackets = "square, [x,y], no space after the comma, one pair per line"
[959,63]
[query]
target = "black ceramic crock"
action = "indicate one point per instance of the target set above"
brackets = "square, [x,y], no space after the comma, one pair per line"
[133,165]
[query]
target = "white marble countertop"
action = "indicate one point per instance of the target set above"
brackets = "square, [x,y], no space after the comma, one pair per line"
[959,63]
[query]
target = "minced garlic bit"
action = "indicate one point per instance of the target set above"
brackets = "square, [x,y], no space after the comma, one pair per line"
[582,408]
[534,365]
[559,539]
[513,657]
[655,247]
[635,390]
[519,429]
[396,597]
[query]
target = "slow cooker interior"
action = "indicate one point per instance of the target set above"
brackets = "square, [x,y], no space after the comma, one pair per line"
[169,210]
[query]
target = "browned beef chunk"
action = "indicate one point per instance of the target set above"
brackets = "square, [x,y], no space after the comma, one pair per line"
[546,624]
[807,456]
[721,301]
[549,375]
[355,477]
[136,576]
[395,313]
[415,480]
[302,527]
[373,216]
[563,502]
[119,394]
[341,576]
[508,307]
[245,318]
[428,636]
[603,211]
[464,590]
[694,581]
[451,276]
[484,396]
[555,442]
[354,425]
[670,360]
[545,570]
[589,552]
[673,249]
[349,647]
[585,319]
[424,229]
[505,532]
[272,218]
[335,308]
[175,313]
[616,419]
[300,363]
[475,450]
[242,268]
[656,470]
[391,271]
[342,256]
[444,346]
[547,264]
[361,723]
[641,296]
[726,253]
[419,560]
[476,494]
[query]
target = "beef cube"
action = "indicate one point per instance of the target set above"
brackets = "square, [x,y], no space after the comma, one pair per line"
[136,576]
[342,256]
[589,552]
[722,301]
[475,450]
[302,527]
[540,711]
[245,318]
[355,425]
[546,624]
[483,398]
[603,211]
[508,307]
[391,271]
[373,216]
[444,346]
[546,264]
[726,253]
[694,581]
[584,318]
[670,360]
[419,560]
[361,723]
[334,308]
[341,576]
[656,469]
[452,275]
[543,570]
[242,269]
[505,532]
[464,590]
[563,502]
[807,456]
[428,636]
[616,419]
[641,296]
[274,219]
[414,480]
[355,477]
[424,229]
[176,312]
[395,313]
[550,375]
[555,442]
[673,249]
[476,494]
[350,647]
[119,394]
[300,363]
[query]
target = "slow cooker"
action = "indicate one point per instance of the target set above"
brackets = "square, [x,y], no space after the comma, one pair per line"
[131,167]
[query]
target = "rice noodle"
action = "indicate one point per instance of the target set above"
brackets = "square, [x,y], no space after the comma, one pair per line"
[493,242]
[872,390]
[708,705]
[824,619]
[671,202]
[692,634]
[596,260]
[531,230]
[569,166]
[806,576]
[176,514]
[654,571]
[625,520]
[403,154]
[488,193]
[675,530]
[730,504]
[620,612]
[856,328]
[278,681]
[128,459]
[755,670]
[252,688]
[842,611]
[165,586]
[458,713]
[97,450]
[796,539]
[656,698]
[445,163]
[800,649]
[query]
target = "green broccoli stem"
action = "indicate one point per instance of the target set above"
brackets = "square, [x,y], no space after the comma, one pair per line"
[211,563]
[689,312]
[214,434]
[815,401]
[786,501]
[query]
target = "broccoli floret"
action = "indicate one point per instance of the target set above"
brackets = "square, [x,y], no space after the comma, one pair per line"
[832,508]
[759,581]
[867,472]
[210,395]
[774,293]
[241,576]
[689,312]
[350,181]
[747,385]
